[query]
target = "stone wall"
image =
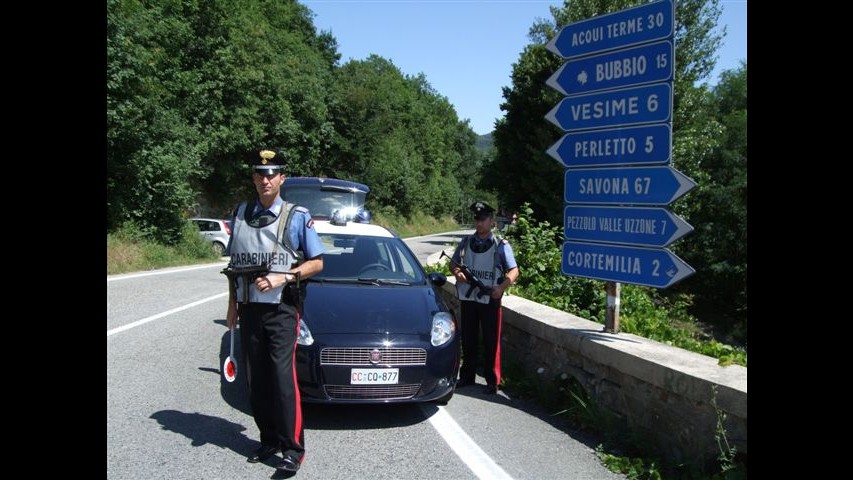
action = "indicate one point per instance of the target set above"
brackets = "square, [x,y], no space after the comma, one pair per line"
[658,392]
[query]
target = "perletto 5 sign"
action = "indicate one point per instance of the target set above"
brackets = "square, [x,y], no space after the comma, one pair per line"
[642,145]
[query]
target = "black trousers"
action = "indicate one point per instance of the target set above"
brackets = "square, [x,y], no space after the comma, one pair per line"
[268,335]
[486,317]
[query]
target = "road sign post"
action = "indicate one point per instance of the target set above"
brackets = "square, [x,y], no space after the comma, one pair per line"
[618,113]
[611,314]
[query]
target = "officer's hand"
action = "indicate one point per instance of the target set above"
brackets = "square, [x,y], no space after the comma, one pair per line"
[497,292]
[269,282]
[460,277]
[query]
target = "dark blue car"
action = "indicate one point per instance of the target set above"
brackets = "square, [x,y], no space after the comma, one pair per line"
[374,327]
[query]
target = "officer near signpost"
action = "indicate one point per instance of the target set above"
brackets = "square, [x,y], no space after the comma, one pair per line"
[484,266]
[280,236]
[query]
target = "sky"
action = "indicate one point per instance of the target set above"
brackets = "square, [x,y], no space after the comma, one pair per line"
[466,48]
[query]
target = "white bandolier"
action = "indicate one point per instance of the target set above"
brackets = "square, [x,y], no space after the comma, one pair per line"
[258,245]
[485,265]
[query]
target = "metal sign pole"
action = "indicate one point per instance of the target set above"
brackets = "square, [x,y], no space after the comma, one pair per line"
[611,315]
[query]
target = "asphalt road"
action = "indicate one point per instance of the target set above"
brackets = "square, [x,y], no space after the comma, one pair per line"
[170,415]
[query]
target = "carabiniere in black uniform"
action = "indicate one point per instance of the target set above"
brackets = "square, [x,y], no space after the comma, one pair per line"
[270,231]
[491,260]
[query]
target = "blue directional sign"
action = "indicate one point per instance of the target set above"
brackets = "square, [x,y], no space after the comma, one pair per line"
[623,68]
[644,145]
[632,26]
[641,266]
[630,106]
[644,226]
[636,185]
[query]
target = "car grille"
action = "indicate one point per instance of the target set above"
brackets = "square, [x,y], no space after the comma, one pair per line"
[371,392]
[361,356]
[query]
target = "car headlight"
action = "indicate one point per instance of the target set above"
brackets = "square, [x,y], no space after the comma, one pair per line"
[443,328]
[305,337]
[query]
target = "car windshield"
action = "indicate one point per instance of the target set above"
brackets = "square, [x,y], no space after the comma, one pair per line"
[381,260]
[322,201]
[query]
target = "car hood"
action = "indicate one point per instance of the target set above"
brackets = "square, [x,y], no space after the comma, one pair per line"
[357,309]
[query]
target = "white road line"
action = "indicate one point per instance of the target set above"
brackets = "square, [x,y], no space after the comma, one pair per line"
[112,278]
[464,447]
[161,315]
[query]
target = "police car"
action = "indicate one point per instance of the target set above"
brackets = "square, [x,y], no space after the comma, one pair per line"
[374,328]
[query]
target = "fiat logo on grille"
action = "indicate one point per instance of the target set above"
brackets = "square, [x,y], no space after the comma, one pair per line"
[375,356]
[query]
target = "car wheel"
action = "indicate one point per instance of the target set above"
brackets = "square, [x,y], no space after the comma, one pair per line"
[219,248]
[443,400]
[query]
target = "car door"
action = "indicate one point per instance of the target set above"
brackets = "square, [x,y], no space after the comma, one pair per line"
[206,228]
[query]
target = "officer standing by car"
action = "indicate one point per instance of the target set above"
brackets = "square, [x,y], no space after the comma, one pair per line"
[490,258]
[268,230]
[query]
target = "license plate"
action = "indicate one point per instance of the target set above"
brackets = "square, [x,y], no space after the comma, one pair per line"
[374,376]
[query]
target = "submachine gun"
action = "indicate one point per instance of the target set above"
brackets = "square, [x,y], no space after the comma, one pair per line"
[473,280]
[248,273]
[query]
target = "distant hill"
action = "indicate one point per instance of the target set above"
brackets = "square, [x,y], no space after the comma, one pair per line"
[484,142]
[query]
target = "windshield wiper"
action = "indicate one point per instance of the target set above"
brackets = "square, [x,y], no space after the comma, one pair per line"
[380,281]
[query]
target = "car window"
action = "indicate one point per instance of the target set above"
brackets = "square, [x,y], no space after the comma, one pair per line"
[322,202]
[357,256]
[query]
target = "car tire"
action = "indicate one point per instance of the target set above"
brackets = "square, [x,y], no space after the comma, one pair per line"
[219,248]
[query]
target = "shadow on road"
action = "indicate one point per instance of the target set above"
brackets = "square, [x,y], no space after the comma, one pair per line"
[204,429]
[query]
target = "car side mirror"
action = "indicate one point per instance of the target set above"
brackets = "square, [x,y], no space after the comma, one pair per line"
[437,278]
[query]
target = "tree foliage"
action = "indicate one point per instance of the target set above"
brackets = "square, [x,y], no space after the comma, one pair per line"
[717,247]
[395,133]
[193,86]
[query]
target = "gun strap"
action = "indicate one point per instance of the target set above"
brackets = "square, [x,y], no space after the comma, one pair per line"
[287,208]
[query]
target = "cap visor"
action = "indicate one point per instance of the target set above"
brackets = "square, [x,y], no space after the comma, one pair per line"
[266,170]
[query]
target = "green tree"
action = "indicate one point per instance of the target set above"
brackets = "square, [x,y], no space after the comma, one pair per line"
[151,147]
[193,87]
[717,247]
[395,133]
